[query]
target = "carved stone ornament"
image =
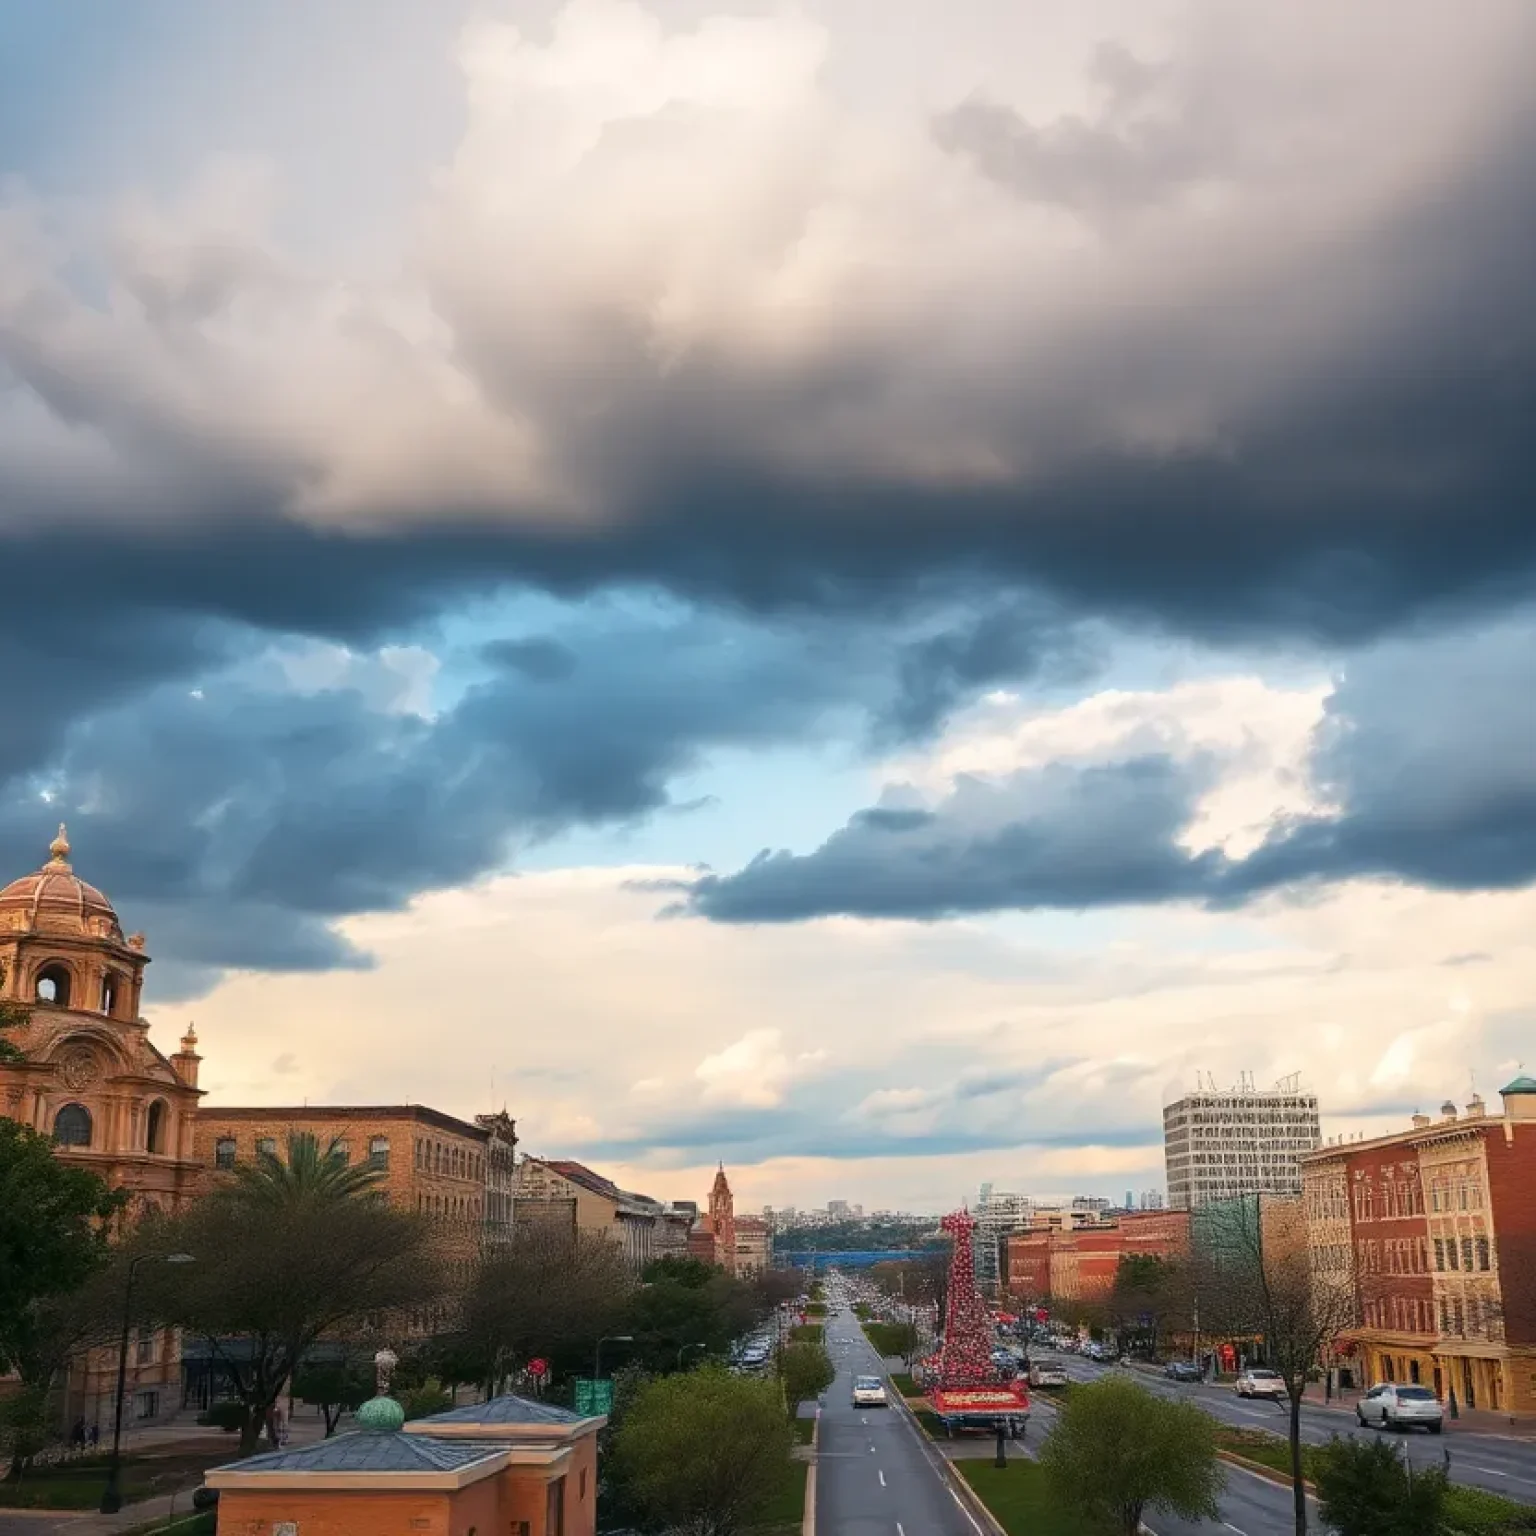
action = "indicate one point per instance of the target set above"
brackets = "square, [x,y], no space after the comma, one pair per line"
[79,1068]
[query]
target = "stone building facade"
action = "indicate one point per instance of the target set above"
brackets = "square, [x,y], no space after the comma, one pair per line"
[91,1077]
[568,1194]
[1442,1243]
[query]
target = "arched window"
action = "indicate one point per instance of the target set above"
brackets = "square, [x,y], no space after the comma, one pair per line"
[154,1133]
[72,1126]
[378,1153]
[53,985]
[111,992]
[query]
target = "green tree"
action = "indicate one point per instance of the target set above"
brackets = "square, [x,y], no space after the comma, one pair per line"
[806,1371]
[292,1254]
[334,1386]
[700,1453]
[1150,1295]
[1365,1489]
[309,1175]
[1117,1450]
[53,1236]
[550,1294]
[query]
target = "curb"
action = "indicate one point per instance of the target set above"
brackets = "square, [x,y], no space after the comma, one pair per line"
[966,1496]
[808,1514]
[1262,1469]
[974,1506]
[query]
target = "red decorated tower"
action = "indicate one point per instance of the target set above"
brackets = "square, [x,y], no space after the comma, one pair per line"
[966,1382]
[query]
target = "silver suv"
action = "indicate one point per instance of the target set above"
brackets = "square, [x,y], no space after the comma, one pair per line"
[1401,1407]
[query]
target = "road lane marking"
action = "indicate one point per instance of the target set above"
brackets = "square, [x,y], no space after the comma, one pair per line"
[1232,1527]
[1488,1471]
[960,1505]
[881,1476]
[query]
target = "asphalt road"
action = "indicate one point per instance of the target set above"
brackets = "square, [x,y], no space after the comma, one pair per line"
[1505,1466]
[876,1474]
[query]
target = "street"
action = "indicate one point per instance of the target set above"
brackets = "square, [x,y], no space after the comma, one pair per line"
[875,1471]
[1505,1466]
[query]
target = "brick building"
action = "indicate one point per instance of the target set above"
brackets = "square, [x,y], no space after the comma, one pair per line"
[754,1247]
[1440,1251]
[1080,1264]
[91,1077]
[571,1195]
[449,1169]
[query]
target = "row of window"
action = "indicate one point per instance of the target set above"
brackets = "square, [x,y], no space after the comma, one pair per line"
[1475,1317]
[1453,1254]
[226,1151]
[445,1158]
[463,1207]
[55,985]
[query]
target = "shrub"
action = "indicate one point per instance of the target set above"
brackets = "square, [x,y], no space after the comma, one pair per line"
[1365,1489]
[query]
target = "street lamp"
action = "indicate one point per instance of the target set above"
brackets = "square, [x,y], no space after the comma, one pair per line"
[597,1356]
[112,1496]
[684,1350]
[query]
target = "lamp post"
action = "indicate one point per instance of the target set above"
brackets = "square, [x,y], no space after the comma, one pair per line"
[112,1496]
[684,1350]
[597,1355]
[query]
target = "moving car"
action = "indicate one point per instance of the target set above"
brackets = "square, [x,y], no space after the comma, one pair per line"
[1261,1383]
[1182,1370]
[1401,1407]
[868,1392]
[1047,1373]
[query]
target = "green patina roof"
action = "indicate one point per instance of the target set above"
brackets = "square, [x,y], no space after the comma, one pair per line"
[381,1415]
[1521,1084]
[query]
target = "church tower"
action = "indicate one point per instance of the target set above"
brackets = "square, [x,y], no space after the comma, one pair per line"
[722,1222]
[88,1074]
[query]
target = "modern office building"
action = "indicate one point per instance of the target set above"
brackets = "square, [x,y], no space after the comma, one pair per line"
[1246,1141]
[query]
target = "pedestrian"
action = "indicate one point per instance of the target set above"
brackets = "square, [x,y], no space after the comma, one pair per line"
[77,1434]
[95,1435]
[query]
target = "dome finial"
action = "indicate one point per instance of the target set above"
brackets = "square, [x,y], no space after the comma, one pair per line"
[59,847]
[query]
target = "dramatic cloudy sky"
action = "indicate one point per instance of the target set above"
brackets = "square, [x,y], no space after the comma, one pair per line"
[861,595]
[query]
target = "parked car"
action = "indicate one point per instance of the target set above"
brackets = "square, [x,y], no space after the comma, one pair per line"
[1182,1370]
[868,1392]
[1261,1383]
[1401,1407]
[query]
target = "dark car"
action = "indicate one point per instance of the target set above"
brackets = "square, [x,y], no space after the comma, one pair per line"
[1182,1370]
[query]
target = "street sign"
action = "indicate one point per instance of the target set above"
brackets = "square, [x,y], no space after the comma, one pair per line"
[593,1397]
[538,1369]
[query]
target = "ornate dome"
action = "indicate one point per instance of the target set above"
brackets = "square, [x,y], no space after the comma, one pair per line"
[57,900]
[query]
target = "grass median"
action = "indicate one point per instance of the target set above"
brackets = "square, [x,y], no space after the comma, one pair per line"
[806,1333]
[1022,1503]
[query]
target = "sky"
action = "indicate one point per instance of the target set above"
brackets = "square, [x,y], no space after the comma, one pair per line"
[761,584]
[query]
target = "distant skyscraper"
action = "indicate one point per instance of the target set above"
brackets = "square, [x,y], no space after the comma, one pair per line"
[1130,1201]
[1246,1141]
[837,1210]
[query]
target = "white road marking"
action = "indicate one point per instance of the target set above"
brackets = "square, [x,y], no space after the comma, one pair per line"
[881,1476]
[899,1531]
[1487,1471]
[964,1511]
[1232,1527]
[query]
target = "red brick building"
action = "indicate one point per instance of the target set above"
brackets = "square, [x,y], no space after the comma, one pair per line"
[1440,1248]
[1081,1265]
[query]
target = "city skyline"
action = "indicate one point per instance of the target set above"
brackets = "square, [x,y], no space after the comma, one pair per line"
[863,604]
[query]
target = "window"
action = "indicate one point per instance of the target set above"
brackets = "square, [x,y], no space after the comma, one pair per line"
[154,1131]
[1445,1315]
[72,1126]
[1483,1258]
[1450,1252]
[378,1153]
[341,1150]
[1466,1253]
[109,994]
[554,1510]
[53,985]
[224,1152]
[1439,1253]
[1456,1318]
[266,1146]
[144,1350]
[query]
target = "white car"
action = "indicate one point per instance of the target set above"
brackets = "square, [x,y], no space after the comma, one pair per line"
[1401,1407]
[868,1392]
[1047,1373]
[1257,1383]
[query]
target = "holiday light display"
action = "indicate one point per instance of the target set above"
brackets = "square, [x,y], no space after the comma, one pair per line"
[965,1381]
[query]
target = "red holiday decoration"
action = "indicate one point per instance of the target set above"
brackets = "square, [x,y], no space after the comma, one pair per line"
[966,1380]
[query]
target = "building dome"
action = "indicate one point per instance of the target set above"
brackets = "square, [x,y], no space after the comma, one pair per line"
[56,900]
[380,1416]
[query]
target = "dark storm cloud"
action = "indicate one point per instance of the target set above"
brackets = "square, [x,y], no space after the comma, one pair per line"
[1426,757]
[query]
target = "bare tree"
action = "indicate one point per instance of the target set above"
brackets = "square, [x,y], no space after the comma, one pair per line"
[1254,1277]
[551,1293]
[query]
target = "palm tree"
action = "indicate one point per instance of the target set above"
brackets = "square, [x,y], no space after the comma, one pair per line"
[310,1176]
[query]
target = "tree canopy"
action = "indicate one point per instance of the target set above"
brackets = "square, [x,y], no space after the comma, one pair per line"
[53,1234]
[1117,1450]
[284,1258]
[701,1452]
